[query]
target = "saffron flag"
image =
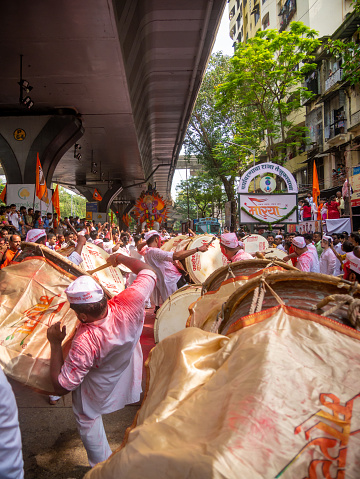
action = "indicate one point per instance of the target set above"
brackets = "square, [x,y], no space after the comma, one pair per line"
[3,195]
[315,188]
[56,201]
[41,189]
[97,195]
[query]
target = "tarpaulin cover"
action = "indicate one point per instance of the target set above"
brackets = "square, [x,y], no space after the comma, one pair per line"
[279,397]
[32,298]
[204,311]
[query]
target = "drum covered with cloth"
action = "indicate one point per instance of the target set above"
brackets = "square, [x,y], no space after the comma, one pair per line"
[222,284]
[254,243]
[32,298]
[278,398]
[173,314]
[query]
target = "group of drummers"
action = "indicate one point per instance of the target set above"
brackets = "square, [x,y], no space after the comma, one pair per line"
[103,368]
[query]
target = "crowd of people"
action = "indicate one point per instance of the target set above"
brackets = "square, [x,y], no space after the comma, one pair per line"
[333,208]
[103,368]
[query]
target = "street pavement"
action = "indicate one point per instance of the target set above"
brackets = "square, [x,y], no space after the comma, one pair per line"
[52,448]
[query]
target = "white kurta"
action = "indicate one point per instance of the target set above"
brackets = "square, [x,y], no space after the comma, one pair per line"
[316,265]
[167,273]
[11,461]
[327,262]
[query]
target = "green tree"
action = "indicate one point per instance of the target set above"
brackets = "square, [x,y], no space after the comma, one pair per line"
[71,204]
[265,82]
[349,51]
[210,126]
[200,196]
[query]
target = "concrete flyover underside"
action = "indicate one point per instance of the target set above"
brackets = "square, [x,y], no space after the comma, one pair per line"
[118,77]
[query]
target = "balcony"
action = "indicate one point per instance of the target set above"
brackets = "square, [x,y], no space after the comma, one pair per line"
[286,14]
[336,128]
[355,118]
[333,79]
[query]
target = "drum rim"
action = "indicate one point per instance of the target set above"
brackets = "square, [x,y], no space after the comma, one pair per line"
[207,283]
[168,300]
[233,301]
[58,258]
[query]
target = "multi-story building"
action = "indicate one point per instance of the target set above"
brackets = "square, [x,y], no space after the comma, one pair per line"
[249,16]
[333,115]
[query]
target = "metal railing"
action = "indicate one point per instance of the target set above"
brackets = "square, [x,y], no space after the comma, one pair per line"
[334,78]
[355,118]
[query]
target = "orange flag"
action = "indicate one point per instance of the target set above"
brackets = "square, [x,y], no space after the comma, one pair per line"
[97,195]
[315,188]
[56,201]
[41,189]
[3,195]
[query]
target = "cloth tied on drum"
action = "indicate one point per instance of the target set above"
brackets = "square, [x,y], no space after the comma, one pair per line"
[280,406]
[84,290]
[35,234]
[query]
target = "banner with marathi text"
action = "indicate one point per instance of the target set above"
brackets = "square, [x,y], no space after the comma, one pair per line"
[268,208]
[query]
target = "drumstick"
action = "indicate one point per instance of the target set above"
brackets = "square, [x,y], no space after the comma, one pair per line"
[99,268]
[212,239]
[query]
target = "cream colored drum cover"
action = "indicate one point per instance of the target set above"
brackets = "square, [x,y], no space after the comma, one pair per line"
[173,314]
[276,254]
[123,268]
[32,298]
[201,265]
[171,244]
[254,243]
[111,278]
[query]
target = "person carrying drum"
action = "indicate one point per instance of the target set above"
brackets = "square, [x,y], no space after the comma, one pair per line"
[232,248]
[103,368]
[169,277]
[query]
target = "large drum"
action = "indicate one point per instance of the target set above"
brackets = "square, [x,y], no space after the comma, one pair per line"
[173,314]
[200,265]
[204,313]
[276,254]
[110,277]
[245,268]
[172,243]
[32,298]
[294,289]
[254,243]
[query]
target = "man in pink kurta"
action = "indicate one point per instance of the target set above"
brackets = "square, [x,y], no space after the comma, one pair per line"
[103,368]
[232,248]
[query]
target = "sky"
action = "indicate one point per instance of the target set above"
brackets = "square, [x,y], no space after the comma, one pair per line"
[222,43]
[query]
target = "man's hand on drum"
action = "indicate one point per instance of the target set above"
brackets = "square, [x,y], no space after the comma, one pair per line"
[56,334]
[203,248]
[114,259]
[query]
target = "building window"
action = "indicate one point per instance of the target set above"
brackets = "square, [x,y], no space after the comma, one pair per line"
[266,21]
[286,14]
[263,1]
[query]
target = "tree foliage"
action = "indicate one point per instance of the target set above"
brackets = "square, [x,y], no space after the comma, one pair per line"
[350,53]
[71,204]
[201,195]
[265,83]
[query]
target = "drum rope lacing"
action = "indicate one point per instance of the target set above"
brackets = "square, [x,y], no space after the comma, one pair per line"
[353,312]
[259,294]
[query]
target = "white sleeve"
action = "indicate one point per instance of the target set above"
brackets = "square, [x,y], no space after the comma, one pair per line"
[11,461]
[75,258]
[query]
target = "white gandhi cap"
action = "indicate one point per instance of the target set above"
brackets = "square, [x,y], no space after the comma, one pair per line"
[84,290]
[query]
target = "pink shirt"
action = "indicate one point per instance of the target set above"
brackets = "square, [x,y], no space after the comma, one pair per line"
[306,262]
[104,364]
[241,254]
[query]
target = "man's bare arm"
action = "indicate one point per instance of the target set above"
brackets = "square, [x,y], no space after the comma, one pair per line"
[56,335]
[134,264]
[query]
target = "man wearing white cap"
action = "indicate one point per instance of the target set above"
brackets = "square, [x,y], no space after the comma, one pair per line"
[103,368]
[232,248]
[162,262]
[327,258]
[305,259]
[39,236]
